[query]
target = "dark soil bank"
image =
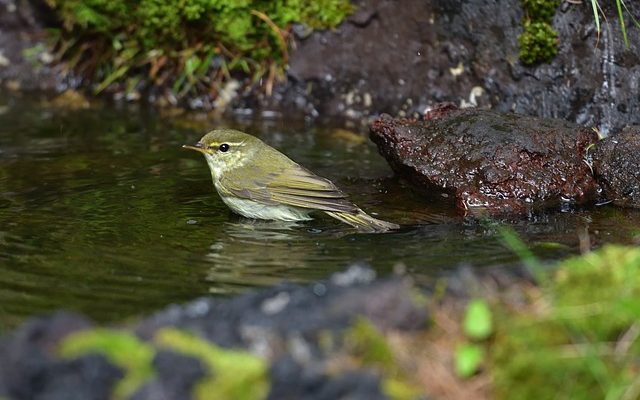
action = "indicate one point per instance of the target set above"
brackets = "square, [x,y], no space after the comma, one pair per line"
[401,57]
[291,327]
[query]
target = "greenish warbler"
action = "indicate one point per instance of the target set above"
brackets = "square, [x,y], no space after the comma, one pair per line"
[257,181]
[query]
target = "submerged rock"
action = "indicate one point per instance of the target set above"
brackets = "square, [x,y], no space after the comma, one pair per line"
[498,162]
[616,164]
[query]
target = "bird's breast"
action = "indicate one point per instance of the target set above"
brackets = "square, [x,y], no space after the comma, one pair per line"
[253,209]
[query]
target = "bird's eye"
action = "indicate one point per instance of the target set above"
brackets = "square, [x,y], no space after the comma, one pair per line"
[224,147]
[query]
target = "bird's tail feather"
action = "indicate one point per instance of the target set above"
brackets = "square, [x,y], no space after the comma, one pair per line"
[363,221]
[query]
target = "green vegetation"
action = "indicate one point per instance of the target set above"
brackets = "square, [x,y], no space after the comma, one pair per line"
[234,374]
[620,5]
[477,326]
[539,41]
[580,339]
[122,349]
[188,45]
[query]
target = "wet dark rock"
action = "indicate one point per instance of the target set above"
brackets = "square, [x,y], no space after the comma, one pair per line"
[499,162]
[616,164]
[89,377]
[284,325]
[27,355]
[408,57]
[167,384]
[292,381]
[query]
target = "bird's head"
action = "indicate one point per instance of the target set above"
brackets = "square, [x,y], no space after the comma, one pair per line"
[226,149]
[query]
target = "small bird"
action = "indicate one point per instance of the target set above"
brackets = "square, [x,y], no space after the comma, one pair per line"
[257,181]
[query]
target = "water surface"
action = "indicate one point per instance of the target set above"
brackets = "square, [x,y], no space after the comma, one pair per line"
[102,212]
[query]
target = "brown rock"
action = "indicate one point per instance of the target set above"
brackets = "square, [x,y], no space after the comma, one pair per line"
[501,163]
[616,164]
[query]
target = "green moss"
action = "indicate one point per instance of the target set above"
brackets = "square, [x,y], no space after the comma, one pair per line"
[540,10]
[234,374]
[111,40]
[583,343]
[538,43]
[122,349]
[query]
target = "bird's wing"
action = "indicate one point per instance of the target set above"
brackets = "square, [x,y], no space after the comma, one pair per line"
[294,186]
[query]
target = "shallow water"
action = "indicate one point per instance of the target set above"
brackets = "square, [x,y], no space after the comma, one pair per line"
[101,211]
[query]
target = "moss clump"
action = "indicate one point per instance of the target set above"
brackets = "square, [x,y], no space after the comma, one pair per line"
[186,44]
[582,343]
[122,349]
[540,10]
[234,374]
[539,41]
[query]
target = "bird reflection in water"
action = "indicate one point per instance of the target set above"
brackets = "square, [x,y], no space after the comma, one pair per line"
[249,253]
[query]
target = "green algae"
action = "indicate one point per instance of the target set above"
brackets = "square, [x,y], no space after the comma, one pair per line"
[122,349]
[234,374]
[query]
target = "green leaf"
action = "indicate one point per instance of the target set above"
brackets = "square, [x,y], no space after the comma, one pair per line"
[468,358]
[477,320]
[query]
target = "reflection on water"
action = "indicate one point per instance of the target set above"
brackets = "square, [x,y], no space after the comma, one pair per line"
[101,211]
[254,251]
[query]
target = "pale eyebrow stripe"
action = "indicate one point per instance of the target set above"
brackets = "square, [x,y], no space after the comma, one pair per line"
[229,143]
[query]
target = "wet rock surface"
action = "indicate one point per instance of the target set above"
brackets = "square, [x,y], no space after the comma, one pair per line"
[616,164]
[399,59]
[284,325]
[498,162]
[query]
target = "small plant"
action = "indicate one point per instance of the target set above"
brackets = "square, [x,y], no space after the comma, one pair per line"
[477,326]
[620,4]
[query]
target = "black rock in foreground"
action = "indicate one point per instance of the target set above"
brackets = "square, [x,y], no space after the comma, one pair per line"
[297,332]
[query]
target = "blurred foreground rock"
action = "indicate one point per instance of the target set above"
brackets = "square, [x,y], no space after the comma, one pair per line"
[290,341]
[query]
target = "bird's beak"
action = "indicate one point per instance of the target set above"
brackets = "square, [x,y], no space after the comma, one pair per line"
[199,147]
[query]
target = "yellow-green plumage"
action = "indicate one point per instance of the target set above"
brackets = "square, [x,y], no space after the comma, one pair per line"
[257,181]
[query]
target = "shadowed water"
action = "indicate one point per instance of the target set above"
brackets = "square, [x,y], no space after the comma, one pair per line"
[101,211]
